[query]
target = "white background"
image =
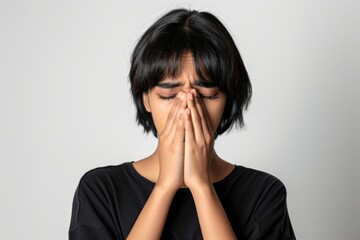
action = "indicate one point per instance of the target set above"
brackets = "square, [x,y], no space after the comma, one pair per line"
[65,106]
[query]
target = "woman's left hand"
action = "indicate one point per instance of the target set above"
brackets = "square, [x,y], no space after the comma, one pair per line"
[199,142]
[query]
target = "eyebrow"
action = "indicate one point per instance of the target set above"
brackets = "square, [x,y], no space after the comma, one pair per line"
[205,84]
[169,85]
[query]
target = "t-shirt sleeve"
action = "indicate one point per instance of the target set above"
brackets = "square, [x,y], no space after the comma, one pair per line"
[92,213]
[271,219]
[88,233]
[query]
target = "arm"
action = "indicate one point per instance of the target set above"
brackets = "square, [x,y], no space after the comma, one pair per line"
[212,217]
[91,216]
[150,223]
[198,154]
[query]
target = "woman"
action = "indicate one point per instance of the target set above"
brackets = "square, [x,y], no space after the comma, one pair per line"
[189,85]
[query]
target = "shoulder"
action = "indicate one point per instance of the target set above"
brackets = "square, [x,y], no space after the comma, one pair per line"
[265,191]
[94,203]
[105,171]
[106,176]
[259,178]
[266,200]
[255,185]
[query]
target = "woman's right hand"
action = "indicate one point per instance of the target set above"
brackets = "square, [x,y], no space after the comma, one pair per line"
[171,146]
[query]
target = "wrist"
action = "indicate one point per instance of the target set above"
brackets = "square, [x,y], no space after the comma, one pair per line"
[204,194]
[201,187]
[165,188]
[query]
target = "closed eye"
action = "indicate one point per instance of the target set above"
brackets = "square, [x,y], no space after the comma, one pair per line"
[212,97]
[167,97]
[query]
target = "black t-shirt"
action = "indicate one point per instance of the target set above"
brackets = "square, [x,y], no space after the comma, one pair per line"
[108,201]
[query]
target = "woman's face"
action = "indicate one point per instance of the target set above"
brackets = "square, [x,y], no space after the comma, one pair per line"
[159,100]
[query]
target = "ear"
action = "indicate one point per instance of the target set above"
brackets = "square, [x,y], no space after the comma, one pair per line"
[146,101]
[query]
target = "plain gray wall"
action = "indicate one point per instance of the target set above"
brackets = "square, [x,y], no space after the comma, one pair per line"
[65,105]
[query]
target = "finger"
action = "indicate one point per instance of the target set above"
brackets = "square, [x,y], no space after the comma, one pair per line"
[189,130]
[181,108]
[172,115]
[205,115]
[179,137]
[195,117]
[205,120]
[184,102]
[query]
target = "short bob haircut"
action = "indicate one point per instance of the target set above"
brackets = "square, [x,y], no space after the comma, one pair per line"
[158,53]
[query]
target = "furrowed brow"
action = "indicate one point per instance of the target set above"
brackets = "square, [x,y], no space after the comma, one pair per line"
[205,84]
[168,85]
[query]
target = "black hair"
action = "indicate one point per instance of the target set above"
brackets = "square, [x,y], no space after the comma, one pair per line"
[158,53]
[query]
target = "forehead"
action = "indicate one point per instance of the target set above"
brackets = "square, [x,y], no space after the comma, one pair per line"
[185,70]
[186,67]
[186,73]
[187,60]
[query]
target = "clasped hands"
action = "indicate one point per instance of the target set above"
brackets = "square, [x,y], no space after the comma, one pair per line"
[185,145]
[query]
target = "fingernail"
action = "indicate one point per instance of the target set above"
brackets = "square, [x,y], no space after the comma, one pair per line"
[190,96]
[194,92]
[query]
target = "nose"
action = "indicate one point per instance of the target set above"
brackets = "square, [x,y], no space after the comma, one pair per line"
[185,91]
[187,86]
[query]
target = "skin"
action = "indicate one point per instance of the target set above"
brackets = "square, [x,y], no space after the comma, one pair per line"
[186,114]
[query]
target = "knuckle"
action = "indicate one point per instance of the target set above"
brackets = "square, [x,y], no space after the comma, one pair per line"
[202,146]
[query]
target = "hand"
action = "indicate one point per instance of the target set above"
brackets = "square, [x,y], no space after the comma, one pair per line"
[199,140]
[171,146]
